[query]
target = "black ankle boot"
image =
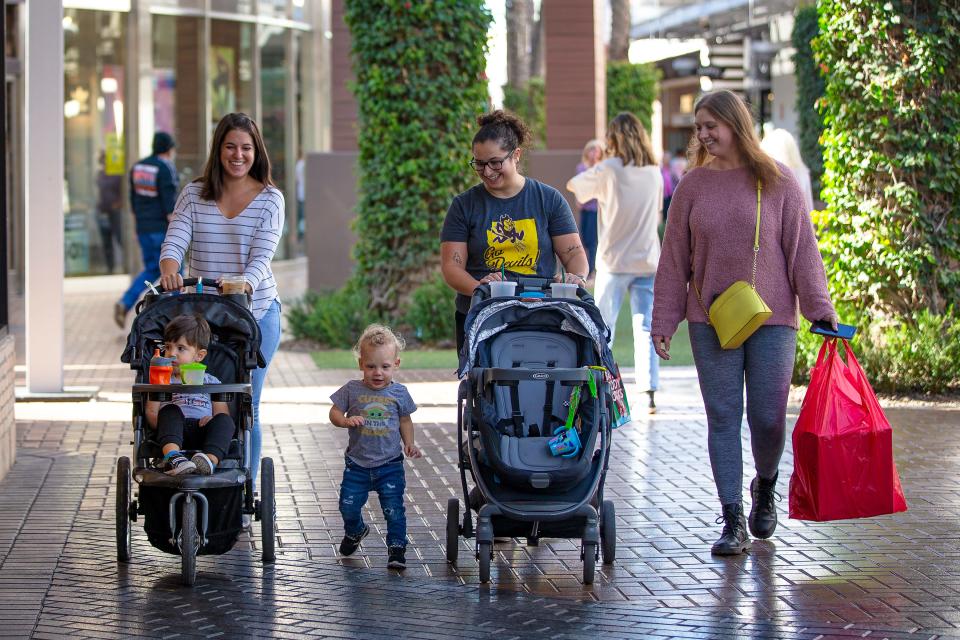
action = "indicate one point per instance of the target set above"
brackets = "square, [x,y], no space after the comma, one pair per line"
[763,512]
[734,539]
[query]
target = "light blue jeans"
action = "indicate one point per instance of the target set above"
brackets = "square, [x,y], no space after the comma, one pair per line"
[269,341]
[609,292]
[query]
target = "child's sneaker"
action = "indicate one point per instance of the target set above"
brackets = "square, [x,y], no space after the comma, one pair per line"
[177,465]
[203,463]
[349,544]
[397,558]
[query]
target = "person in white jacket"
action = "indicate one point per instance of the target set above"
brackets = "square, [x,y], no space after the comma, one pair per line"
[628,187]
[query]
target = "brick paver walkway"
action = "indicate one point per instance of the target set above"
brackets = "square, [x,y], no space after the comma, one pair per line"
[893,576]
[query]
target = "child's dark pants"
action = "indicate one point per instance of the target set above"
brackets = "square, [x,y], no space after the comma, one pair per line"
[214,437]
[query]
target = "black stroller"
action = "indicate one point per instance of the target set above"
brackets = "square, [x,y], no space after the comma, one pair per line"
[191,515]
[522,361]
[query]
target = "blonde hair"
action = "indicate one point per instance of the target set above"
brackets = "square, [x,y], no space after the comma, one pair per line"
[592,144]
[730,109]
[378,335]
[628,140]
[780,145]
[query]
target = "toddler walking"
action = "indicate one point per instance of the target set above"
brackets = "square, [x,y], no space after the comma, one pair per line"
[376,411]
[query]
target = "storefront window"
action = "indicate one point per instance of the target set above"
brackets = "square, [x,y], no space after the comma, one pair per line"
[177,74]
[94,163]
[230,66]
[273,8]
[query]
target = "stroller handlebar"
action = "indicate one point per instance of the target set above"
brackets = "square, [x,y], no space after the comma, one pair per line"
[192,282]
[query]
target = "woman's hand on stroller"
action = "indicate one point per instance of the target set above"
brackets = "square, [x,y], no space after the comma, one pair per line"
[412,451]
[571,278]
[172,281]
[493,276]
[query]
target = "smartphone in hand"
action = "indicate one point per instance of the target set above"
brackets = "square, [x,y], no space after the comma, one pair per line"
[823,328]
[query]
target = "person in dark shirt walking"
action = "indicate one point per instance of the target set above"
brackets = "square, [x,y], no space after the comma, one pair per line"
[153,194]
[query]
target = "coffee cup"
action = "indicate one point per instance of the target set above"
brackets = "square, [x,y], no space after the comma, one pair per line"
[563,290]
[502,288]
[232,284]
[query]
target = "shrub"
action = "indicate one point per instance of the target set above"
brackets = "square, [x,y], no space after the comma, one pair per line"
[430,312]
[420,84]
[898,357]
[333,319]
[633,88]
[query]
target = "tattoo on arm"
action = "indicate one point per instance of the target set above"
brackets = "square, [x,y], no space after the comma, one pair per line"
[573,248]
[457,258]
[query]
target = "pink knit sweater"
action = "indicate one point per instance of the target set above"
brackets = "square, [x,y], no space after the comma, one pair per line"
[709,240]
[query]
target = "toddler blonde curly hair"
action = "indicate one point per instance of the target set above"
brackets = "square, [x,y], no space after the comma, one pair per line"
[377,335]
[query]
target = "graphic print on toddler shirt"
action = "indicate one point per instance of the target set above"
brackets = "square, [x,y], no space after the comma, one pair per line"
[512,245]
[376,419]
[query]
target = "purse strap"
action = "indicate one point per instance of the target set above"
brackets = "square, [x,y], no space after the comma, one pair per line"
[756,250]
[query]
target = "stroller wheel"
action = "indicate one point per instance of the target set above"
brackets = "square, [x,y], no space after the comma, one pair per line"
[484,554]
[123,509]
[453,529]
[268,510]
[589,561]
[608,532]
[189,541]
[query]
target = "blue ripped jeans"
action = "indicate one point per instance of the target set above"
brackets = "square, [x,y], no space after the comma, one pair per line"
[389,482]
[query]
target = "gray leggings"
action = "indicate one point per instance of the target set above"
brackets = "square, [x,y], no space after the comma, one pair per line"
[765,361]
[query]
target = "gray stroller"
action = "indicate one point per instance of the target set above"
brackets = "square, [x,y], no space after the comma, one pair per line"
[525,360]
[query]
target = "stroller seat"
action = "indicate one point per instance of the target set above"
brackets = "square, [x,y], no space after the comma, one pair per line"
[516,427]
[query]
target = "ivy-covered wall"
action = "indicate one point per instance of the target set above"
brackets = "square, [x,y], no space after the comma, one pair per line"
[892,152]
[810,87]
[890,233]
[420,84]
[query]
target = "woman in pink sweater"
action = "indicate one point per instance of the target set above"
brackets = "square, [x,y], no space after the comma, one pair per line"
[708,243]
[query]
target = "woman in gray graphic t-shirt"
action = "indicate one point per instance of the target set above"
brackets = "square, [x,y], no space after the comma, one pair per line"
[508,224]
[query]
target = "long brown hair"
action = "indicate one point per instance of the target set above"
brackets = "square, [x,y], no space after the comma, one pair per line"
[628,140]
[212,178]
[730,109]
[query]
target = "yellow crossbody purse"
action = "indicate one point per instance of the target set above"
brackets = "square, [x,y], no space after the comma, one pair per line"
[739,311]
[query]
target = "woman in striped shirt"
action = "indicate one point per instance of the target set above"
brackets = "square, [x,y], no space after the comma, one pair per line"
[233,217]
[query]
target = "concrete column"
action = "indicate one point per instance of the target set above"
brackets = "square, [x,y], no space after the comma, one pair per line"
[43,159]
[575,72]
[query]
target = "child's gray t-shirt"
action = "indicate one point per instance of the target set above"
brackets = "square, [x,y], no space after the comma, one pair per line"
[193,405]
[377,442]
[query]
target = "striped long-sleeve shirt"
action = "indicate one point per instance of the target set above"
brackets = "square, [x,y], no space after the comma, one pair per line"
[220,245]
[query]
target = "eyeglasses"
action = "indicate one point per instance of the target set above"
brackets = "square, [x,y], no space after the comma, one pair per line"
[496,164]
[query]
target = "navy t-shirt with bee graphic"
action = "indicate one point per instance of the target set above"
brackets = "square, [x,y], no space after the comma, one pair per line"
[513,233]
[378,441]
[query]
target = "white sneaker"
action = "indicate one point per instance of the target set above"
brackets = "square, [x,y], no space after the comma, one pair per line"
[246,520]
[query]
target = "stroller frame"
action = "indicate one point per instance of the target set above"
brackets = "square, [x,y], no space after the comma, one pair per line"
[189,535]
[599,530]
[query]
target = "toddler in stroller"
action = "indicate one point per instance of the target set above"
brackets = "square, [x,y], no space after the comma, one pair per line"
[191,514]
[534,367]
[190,418]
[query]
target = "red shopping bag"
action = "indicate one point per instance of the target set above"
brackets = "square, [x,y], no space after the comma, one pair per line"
[842,446]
